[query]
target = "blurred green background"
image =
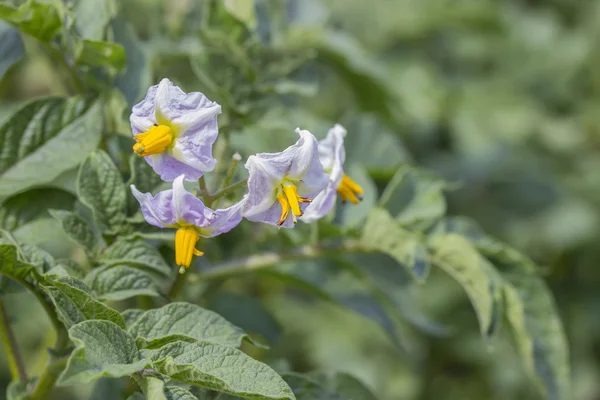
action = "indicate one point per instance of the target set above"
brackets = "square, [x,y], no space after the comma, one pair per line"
[499,97]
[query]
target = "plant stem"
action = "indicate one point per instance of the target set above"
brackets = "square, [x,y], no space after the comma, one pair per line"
[206,197]
[235,159]
[266,260]
[228,189]
[178,284]
[57,363]
[76,83]
[11,349]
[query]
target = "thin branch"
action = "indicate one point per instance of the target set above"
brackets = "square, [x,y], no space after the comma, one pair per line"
[229,189]
[11,349]
[269,259]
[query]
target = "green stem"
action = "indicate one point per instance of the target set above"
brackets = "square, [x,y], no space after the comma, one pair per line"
[205,193]
[76,83]
[11,349]
[56,364]
[178,284]
[266,260]
[228,189]
[235,159]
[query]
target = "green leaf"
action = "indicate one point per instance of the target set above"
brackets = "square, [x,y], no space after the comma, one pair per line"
[39,19]
[100,54]
[46,138]
[32,204]
[131,315]
[78,229]
[349,387]
[538,333]
[353,215]
[75,304]
[243,11]
[415,198]
[185,321]
[142,176]
[135,253]
[246,312]
[17,390]
[222,368]
[108,388]
[103,349]
[11,47]
[155,389]
[122,282]
[455,255]
[11,265]
[100,187]
[384,234]
[93,16]
[307,388]
[138,73]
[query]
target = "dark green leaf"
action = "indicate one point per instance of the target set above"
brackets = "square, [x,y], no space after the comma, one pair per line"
[108,388]
[75,304]
[349,387]
[103,349]
[135,253]
[32,204]
[182,321]
[46,138]
[203,364]
[143,177]
[306,388]
[10,265]
[121,282]
[39,19]
[78,229]
[100,187]
[11,47]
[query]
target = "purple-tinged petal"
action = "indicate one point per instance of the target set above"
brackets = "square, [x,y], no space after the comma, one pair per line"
[157,210]
[188,208]
[321,205]
[271,216]
[332,153]
[169,168]
[263,177]
[223,220]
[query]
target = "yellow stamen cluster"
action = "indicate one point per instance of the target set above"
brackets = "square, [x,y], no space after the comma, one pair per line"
[290,201]
[154,141]
[185,247]
[350,190]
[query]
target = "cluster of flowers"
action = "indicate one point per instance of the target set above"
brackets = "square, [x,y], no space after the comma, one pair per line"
[175,132]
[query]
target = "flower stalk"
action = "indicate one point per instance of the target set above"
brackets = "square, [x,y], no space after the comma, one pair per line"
[11,349]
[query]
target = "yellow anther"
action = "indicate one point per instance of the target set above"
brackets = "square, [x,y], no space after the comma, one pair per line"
[185,246]
[285,209]
[154,141]
[350,190]
[291,193]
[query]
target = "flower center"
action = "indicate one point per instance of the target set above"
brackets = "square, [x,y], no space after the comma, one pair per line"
[290,201]
[154,141]
[350,190]
[185,247]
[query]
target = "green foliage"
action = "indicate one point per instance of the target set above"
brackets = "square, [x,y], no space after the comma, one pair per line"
[100,187]
[38,19]
[122,282]
[135,253]
[77,229]
[11,47]
[46,138]
[31,205]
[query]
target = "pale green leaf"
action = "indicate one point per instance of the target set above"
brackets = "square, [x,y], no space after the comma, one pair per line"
[143,177]
[307,388]
[11,265]
[243,11]
[383,233]
[32,204]
[122,282]
[101,54]
[538,333]
[17,390]
[75,304]
[78,229]
[155,389]
[11,47]
[100,187]
[222,368]
[93,16]
[45,138]
[103,349]
[39,19]
[185,321]
[131,315]
[349,387]
[135,253]
[455,255]
[415,198]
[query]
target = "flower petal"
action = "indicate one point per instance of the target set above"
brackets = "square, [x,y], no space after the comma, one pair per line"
[263,177]
[169,168]
[188,208]
[332,153]
[223,220]
[271,216]
[321,205]
[157,210]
